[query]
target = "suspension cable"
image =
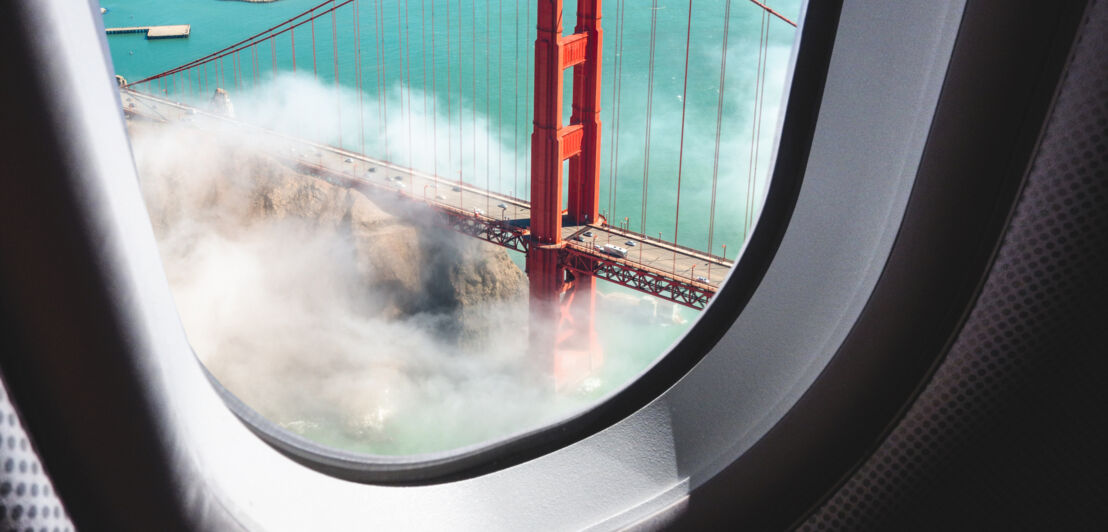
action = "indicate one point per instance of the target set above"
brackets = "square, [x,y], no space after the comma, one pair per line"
[515,114]
[408,90]
[488,128]
[719,125]
[358,78]
[758,128]
[449,92]
[435,98]
[681,143]
[423,58]
[406,65]
[382,66]
[269,33]
[774,13]
[528,108]
[612,133]
[461,149]
[499,92]
[473,84]
[649,110]
[338,85]
[747,205]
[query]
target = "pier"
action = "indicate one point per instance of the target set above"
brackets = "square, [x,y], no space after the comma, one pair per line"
[177,31]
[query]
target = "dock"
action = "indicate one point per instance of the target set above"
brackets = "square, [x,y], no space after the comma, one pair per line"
[177,31]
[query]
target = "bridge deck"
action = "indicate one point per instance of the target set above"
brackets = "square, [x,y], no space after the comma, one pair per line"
[689,277]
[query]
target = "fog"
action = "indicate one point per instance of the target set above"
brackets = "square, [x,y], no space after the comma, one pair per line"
[335,316]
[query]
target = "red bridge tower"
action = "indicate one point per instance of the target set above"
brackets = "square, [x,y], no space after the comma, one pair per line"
[562,309]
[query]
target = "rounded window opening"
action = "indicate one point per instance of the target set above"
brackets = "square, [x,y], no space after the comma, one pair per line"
[381,237]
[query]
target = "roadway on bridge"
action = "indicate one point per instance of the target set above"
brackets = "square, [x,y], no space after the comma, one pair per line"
[690,265]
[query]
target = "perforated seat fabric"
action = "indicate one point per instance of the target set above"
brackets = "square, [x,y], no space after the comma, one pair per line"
[27,499]
[1010,431]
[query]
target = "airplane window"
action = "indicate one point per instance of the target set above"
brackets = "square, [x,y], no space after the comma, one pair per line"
[344,199]
[317,282]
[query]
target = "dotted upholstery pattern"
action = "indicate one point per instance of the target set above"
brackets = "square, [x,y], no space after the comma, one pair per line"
[1009,432]
[27,499]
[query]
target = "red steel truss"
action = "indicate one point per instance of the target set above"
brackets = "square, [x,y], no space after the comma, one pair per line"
[637,276]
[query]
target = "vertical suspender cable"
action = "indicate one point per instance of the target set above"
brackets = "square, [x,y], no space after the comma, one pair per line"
[681,142]
[499,90]
[758,127]
[423,57]
[719,125]
[314,71]
[449,91]
[473,83]
[408,90]
[400,50]
[435,99]
[488,127]
[335,59]
[461,157]
[753,134]
[528,108]
[273,54]
[617,82]
[649,106]
[382,67]
[358,77]
[292,39]
[382,126]
[515,114]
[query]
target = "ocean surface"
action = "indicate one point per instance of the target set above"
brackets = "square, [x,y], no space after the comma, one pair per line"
[446,87]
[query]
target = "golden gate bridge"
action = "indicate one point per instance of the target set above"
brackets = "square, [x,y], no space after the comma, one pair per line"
[568,241]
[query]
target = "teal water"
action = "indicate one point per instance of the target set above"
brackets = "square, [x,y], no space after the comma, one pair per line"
[462,108]
[491,81]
